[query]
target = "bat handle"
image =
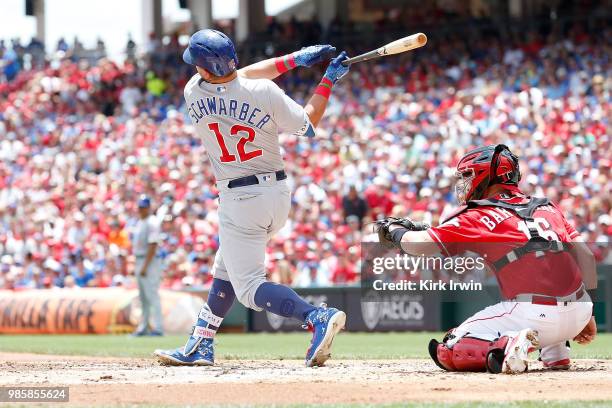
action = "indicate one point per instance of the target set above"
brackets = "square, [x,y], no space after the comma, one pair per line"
[359,58]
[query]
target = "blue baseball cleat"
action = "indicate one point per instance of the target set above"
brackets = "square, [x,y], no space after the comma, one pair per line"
[324,323]
[204,355]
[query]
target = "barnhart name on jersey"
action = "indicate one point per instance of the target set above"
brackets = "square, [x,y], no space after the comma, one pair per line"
[216,105]
[494,217]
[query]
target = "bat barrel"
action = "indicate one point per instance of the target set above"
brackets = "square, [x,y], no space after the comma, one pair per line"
[402,45]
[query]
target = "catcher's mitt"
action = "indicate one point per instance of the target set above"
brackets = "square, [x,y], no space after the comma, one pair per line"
[386,237]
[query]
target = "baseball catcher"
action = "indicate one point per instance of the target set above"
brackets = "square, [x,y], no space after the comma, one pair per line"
[545,272]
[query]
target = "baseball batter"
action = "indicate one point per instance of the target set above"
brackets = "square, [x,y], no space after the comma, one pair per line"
[238,115]
[545,273]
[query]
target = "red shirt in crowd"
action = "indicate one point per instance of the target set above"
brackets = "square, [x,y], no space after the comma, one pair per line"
[380,204]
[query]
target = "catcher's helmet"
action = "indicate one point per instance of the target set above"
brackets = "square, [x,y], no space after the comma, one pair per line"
[213,51]
[484,167]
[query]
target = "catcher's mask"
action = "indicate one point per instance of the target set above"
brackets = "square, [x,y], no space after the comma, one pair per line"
[483,167]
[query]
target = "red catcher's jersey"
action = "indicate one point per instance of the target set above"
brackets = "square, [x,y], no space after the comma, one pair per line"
[492,232]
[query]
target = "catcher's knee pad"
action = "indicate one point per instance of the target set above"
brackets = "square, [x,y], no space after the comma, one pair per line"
[467,354]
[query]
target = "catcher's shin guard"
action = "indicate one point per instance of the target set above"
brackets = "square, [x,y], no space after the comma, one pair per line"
[467,354]
[433,353]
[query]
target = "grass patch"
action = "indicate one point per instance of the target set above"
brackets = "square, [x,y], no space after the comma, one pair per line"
[256,346]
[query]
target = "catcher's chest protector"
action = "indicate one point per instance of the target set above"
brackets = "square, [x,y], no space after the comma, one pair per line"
[525,211]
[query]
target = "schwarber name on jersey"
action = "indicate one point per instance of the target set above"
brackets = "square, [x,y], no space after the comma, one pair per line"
[494,231]
[239,122]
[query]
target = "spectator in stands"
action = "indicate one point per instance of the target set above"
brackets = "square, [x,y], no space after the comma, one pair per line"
[70,282]
[10,65]
[155,85]
[130,47]
[118,236]
[62,45]
[344,272]
[79,233]
[130,96]
[354,205]
[379,197]
[81,271]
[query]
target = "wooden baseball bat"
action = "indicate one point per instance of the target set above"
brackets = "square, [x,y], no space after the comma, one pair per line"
[395,47]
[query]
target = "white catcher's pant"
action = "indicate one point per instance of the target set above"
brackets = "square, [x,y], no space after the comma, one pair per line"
[248,217]
[555,324]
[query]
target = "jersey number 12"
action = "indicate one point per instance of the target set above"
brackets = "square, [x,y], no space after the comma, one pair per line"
[226,156]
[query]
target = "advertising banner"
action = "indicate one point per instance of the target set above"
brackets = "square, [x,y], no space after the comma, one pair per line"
[89,310]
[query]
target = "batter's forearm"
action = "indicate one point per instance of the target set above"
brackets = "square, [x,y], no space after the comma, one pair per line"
[315,108]
[273,67]
[268,69]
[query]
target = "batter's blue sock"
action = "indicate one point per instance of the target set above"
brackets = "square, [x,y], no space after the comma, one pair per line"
[221,297]
[282,300]
[220,300]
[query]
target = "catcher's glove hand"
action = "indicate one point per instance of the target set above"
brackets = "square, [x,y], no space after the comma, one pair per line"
[391,238]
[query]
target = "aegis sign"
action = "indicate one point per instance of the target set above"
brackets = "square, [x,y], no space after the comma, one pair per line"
[391,311]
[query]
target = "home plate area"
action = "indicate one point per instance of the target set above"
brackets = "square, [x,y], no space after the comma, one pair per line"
[103,381]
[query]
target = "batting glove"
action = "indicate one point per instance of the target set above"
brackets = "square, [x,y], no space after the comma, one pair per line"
[336,70]
[308,56]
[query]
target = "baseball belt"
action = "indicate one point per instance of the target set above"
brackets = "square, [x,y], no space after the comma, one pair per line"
[551,300]
[252,180]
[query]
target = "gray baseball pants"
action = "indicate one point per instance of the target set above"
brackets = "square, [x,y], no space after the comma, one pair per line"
[248,217]
[148,291]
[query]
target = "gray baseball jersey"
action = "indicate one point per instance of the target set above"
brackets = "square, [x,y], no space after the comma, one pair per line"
[239,122]
[145,232]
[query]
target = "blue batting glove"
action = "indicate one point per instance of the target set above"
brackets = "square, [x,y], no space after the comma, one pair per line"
[308,56]
[336,70]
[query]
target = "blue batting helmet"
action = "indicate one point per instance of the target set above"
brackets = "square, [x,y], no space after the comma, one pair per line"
[144,201]
[213,51]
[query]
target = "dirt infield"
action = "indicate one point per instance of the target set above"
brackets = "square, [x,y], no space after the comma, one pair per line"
[110,380]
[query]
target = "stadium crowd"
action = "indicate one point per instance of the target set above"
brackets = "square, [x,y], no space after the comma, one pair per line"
[79,142]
